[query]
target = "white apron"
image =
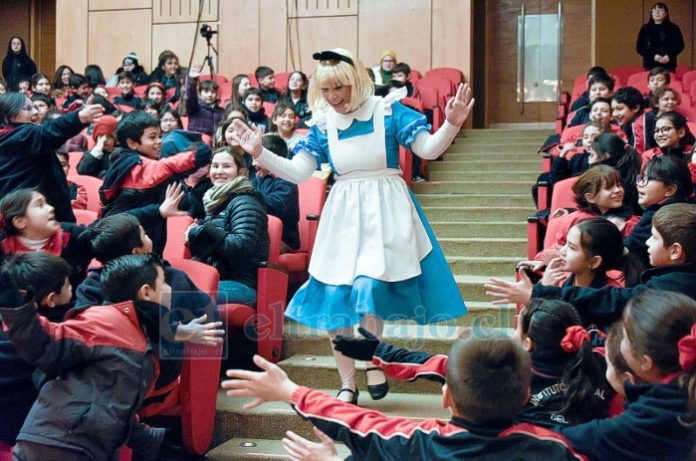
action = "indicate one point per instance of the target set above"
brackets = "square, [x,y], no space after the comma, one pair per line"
[369,225]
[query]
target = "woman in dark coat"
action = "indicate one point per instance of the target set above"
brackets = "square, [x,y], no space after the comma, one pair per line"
[660,40]
[17,63]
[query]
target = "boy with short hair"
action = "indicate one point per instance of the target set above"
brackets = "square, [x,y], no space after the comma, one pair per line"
[78,92]
[43,105]
[253,107]
[584,98]
[203,107]
[627,108]
[126,83]
[487,383]
[49,276]
[599,86]
[266,78]
[401,72]
[103,361]
[672,251]
[138,178]
[282,197]
[658,77]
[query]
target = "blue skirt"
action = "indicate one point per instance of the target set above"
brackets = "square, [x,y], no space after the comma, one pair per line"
[432,296]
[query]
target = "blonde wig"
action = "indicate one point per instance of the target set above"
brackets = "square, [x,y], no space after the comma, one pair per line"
[335,72]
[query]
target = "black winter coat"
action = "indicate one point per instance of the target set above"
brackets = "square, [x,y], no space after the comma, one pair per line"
[662,39]
[28,159]
[234,240]
[15,67]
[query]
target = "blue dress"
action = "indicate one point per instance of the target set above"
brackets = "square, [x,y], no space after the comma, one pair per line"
[375,252]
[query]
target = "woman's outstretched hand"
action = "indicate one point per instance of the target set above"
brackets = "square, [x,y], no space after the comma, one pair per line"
[249,139]
[459,107]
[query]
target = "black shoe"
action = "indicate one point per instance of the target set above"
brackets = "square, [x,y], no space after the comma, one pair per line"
[355,393]
[377,391]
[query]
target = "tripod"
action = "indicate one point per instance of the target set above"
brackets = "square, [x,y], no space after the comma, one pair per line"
[209,57]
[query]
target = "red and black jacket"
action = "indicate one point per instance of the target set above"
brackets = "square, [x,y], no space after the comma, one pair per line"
[372,435]
[134,181]
[105,366]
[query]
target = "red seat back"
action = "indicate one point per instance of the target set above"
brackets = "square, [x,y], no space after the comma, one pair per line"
[113,91]
[140,91]
[415,76]
[205,277]
[73,159]
[275,234]
[268,108]
[414,104]
[175,247]
[281,81]
[573,133]
[91,185]
[563,196]
[688,112]
[688,80]
[455,76]
[219,78]
[431,99]
[85,217]
[443,85]
[623,72]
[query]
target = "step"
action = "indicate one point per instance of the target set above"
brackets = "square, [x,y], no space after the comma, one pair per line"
[501,143]
[478,214]
[475,229]
[471,287]
[478,200]
[433,338]
[511,186]
[498,133]
[508,152]
[465,164]
[248,449]
[462,155]
[492,176]
[492,266]
[273,419]
[484,246]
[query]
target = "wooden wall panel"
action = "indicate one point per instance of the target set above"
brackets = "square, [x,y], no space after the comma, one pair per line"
[101,5]
[179,39]
[14,17]
[72,33]
[312,9]
[312,34]
[43,43]
[408,36]
[168,11]
[273,32]
[239,41]
[108,44]
[576,55]
[452,35]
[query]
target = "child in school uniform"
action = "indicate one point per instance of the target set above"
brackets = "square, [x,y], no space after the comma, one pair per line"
[672,250]
[103,361]
[296,95]
[281,196]
[138,178]
[202,106]
[401,72]
[126,83]
[627,109]
[600,86]
[487,382]
[77,93]
[659,346]
[658,77]
[253,107]
[48,275]
[43,105]
[266,78]
[584,98]
[283,123]
[673,137]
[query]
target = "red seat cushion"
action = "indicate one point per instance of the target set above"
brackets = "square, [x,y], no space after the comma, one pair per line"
[236,314]
[295,262]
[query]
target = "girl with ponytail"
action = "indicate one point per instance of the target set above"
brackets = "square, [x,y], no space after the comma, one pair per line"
[593,256]
[659,345]
[568,379]
[609,149]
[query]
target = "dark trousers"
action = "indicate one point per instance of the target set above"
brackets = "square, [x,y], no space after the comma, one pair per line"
[29,451]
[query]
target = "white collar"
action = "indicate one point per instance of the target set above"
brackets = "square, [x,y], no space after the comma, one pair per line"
[34,245]
[363,114]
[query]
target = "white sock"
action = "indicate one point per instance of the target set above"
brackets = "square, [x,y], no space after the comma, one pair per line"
[374,325]
[345,365]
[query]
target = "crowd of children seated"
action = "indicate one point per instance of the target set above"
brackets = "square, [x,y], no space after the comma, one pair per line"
[163,145]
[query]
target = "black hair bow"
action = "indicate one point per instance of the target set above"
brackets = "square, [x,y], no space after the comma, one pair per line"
[332,56]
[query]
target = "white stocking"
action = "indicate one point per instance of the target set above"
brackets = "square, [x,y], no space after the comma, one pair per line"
[345,365]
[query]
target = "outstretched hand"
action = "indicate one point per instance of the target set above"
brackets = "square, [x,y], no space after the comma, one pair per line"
[270,385]
[199,332]
[505,292]
[357,348]
[249,139]
[172,199]
[195,71]
[301,449]
[459,106]
[90,113]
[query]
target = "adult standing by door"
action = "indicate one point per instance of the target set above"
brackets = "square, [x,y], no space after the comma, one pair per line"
[660,40]
[17,63]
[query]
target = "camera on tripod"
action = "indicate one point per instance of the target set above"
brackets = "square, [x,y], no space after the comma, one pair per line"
[207,32]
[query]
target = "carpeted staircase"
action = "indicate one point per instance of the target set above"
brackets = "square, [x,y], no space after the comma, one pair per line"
[477,200]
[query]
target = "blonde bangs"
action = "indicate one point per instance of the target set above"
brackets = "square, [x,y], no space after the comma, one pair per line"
[339,72]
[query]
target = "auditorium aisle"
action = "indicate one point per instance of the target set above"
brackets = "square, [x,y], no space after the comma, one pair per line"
[477,200]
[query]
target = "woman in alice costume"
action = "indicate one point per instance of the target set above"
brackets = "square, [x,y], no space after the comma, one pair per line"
[375,256]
